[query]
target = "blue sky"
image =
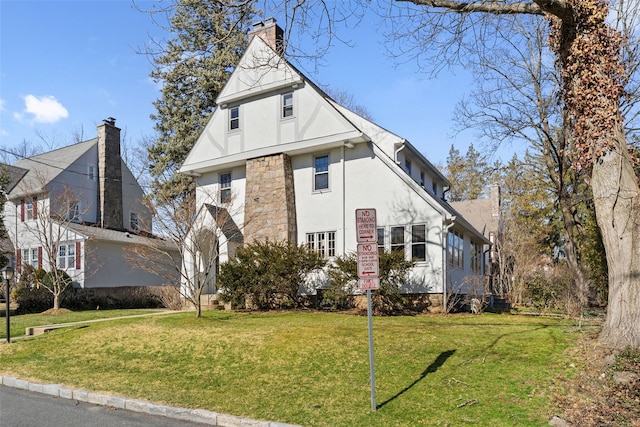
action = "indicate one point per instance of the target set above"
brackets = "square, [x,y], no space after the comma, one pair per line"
[67,65]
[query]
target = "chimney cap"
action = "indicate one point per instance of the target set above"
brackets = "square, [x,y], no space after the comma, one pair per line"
[109,121]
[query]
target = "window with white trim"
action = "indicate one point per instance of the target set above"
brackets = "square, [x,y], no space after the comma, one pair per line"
[324,243]
[419,242]
[225,187]
[29,206]
[321,173]
[30,257]
[74,211]
[407,166]
[67,256]
[455,249]
[287,105]
[234,118]
[397,238]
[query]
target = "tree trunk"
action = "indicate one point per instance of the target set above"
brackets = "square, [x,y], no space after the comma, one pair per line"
[617,203]
[56,301]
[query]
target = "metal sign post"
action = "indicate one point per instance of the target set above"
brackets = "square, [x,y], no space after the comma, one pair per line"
[367,238]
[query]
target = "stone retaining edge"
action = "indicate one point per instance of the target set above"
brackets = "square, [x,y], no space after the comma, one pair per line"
[191,415]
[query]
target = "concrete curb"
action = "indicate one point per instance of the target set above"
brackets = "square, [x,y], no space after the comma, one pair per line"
[184,414]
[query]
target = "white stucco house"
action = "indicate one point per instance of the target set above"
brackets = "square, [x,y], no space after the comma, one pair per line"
[77,209]
[288,163]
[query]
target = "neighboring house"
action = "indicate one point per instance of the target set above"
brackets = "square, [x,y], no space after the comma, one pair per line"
[486,215]
[290,164]
[82,206]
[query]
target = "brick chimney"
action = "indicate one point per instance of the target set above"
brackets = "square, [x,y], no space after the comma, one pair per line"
[270,33]
[110,204]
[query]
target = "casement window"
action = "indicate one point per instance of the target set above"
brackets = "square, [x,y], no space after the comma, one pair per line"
[476,257]
[225,187]
[234,118]
[287,105]
[324,243]
[134,221]
[419,242]
[397,238]
[380,240]
[321,173]
[67,256]
[91,172]
[455,249]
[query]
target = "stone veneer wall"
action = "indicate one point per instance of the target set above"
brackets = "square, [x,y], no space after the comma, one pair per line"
[269,208]
[109,177]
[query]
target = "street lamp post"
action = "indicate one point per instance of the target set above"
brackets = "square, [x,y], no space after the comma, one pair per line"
[7,274]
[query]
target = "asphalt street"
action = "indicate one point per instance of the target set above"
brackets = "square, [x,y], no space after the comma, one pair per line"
[21,408]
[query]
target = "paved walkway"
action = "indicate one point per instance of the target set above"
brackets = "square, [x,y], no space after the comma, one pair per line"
[192,415]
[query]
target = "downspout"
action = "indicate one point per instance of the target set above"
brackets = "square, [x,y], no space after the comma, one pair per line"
[398,150]
[445,230]
[344,203]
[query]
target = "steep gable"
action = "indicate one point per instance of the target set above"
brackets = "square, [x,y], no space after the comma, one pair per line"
[254,95]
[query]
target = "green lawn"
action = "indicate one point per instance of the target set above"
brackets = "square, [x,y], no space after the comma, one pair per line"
[312,369]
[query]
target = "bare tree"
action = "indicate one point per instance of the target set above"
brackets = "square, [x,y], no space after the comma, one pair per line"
[56,242]
[197,232]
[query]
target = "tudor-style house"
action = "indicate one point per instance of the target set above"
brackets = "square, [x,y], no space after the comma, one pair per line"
[288,163]
[78,209]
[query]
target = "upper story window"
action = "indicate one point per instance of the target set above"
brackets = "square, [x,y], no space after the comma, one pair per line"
[419,242]
[134,221]
[397,238]
[407,166]
[74,211]
[225,187]
[434,188]
[321,173]
[31,257]
[234,118]
[91,172]
[455,249]
[287,104]
[422,179]
[28,209]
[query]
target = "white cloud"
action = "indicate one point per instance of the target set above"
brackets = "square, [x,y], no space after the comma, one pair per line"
[45,109]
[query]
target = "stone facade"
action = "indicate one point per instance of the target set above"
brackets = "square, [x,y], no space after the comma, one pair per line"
[109,176]
[270,211]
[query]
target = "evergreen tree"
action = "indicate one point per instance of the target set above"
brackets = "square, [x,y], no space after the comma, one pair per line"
[208,38]
[469,175]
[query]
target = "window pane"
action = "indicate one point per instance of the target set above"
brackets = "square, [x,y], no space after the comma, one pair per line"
[287,105]
[397,235]
[322,164]
[322,181]
[418,233]
[234,118]
[419,252]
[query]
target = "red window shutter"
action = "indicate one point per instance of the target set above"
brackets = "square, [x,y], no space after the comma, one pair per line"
[19,261]
[35,208]
[78,256]
[39,256]
[22,210]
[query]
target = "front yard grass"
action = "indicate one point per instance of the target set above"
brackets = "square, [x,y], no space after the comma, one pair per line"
[312,369]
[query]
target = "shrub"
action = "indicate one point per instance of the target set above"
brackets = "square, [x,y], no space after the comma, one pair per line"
[393,273]
[29,294]
[267,275]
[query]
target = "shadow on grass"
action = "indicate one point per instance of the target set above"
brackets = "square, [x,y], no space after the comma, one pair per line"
[430,369]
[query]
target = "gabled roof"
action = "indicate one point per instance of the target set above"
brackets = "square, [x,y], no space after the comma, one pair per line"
[118,236]
[15,175]
[44,168]
[479,212]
